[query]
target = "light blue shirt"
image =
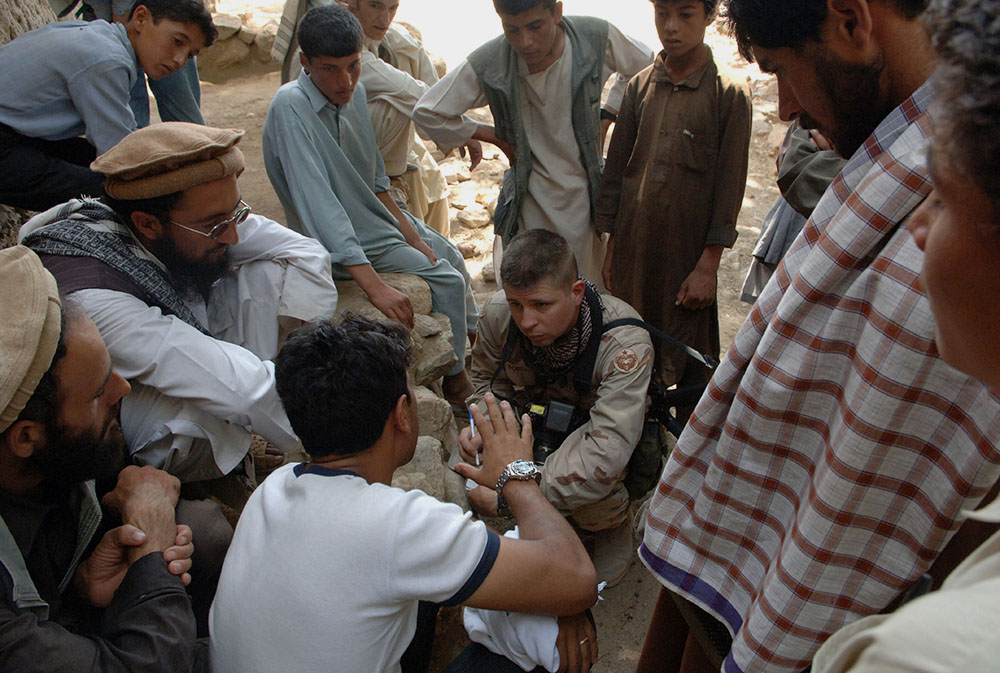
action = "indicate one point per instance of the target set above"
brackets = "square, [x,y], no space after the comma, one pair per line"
[326,168]
[69,78]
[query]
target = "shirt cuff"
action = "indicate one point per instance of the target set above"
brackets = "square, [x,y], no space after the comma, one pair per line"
[349,257]
[724,236]
[149,575]
[478,575]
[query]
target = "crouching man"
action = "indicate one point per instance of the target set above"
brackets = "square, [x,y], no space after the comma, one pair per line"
[542,342]
[348,557]
[191,292]
[59,401]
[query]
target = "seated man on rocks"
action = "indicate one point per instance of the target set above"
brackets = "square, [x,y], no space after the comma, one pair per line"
[348,557]
[59,400]
[321,156]
[396,72]
[191,292]
[74,78]
[542,342]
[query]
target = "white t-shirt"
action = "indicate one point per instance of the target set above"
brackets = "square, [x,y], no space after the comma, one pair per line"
[325,571]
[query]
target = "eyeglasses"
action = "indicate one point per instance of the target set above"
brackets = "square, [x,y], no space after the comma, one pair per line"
[239,217]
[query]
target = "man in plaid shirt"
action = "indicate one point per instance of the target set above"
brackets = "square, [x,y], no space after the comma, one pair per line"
[823,472]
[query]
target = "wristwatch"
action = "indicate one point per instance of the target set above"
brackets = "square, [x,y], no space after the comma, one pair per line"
[519,470]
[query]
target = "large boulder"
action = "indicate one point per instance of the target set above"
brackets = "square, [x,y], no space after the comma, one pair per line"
[20,16]
[425,471]
[433,351]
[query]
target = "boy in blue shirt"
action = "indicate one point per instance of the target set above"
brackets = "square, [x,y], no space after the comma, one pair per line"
[74,78]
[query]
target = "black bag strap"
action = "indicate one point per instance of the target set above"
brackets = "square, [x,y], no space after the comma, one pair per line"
[703,358]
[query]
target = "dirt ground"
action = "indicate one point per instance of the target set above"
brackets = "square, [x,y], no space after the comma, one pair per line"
[241,102]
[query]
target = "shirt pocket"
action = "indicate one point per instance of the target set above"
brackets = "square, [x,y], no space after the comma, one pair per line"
[693,149]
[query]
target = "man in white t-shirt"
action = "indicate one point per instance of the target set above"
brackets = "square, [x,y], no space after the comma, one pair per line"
[329,562]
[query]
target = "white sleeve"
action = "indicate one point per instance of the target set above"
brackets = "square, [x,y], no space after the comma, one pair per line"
[165,353]
[309,291]
[625,57]
[440,112]
[381,80]
[437,553]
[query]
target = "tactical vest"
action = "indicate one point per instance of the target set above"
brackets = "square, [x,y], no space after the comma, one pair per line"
[496,67]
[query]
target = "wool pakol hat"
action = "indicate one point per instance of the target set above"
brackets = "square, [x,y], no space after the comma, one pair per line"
[29,331]
[168,157]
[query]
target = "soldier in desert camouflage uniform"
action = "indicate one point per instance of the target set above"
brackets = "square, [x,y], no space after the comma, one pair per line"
[554,315]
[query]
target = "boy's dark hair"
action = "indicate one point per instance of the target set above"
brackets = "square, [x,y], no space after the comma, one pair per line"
[966,35]
[536,255]
[159,206]
[330,31]
[339,383]
[710,5]
[517,6]
[774,24]
[190,12]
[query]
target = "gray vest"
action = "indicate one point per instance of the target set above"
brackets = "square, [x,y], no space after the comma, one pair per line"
[23,596]
[495,65]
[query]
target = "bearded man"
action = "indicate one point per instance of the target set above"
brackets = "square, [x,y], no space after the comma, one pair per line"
[59,403]
[191,293]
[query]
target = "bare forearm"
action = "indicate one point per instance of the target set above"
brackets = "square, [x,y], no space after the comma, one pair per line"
[710,258]
[537,519]
[365,276]
[402,221]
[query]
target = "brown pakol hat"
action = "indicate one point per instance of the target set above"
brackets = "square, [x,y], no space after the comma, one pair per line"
[29,330]
[168,157]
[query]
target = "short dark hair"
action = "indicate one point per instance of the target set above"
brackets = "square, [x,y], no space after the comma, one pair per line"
[330,31]
[966,35]
[188,12]
[774,24]
[518,6]
[158,206]
[536,255]
[43,405]
[710,5]
[339,383]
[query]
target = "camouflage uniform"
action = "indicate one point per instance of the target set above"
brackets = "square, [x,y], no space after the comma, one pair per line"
[584,478]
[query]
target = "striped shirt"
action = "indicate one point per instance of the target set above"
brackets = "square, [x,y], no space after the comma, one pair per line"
[826,465]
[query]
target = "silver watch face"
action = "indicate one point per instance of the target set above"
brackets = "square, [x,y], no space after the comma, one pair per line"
[523,468]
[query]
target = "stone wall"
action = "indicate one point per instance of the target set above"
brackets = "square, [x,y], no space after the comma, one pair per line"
[239,47]
[16,17]
[433,356]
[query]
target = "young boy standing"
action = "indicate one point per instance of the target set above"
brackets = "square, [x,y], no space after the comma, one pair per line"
[73,78]
[673,185]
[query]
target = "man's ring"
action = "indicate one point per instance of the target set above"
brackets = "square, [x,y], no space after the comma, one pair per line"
[585,640]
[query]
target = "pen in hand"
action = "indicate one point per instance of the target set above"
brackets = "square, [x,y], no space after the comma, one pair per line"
[472,427]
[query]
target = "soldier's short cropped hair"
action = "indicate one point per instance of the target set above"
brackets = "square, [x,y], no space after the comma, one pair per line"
[538,255]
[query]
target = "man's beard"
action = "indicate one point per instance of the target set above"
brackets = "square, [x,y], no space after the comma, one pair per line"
[70,458]
[858,102]
[188,275]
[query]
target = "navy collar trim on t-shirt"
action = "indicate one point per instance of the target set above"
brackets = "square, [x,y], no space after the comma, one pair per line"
[303,468]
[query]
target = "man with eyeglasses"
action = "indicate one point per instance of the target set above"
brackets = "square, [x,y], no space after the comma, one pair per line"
[192,293]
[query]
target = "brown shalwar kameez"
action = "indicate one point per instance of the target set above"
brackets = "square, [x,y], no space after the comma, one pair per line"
[673,184]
